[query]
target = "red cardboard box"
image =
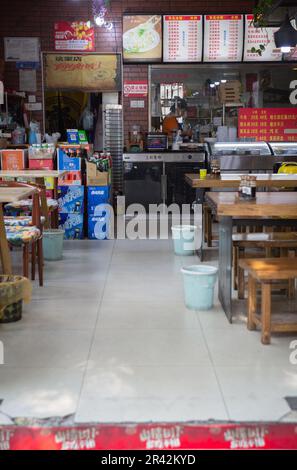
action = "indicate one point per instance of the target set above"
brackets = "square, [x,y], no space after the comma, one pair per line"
[70,178]
[41,164]
[14,159]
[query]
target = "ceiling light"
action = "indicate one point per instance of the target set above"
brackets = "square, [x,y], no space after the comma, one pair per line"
[99,20]
[217,83]
[223,80]
[286,37]
[212,85]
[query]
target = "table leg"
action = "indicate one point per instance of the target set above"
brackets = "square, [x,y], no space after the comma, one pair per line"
[199,220]
[225,265]
[44,208]
[4,248]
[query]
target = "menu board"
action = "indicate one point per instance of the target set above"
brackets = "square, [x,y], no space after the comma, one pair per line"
[76,36]
[142,38]
[269,124]
[223,38]
[254,37]
[182,38]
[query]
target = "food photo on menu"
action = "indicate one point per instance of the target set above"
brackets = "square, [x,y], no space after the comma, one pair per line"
[142,38]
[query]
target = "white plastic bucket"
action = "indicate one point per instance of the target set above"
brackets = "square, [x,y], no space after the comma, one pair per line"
[184,239]
[53,244]
[199,282]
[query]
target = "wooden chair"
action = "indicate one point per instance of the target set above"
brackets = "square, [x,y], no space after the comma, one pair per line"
[283,241]
[27,232]
[266,271]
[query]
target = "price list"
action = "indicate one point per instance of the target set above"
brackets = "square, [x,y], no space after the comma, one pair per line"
[254,37]
[223,38]
[182,38]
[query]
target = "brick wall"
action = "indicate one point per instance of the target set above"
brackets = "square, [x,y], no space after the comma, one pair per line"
[37,17]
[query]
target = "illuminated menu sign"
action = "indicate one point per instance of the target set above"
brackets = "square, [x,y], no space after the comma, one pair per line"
[142,38]
[223,38]
[182,38]
[270,124]
[254,37]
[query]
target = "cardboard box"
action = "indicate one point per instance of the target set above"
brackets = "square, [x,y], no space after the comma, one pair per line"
[71,178]
[71,199]
[73,224]
[14,159]
[95,177]
[97,195]
[98,227]
[41,164]
[68,163]
[49,182]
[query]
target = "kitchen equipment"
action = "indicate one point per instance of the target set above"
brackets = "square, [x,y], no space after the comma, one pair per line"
[113,141]
[156,141]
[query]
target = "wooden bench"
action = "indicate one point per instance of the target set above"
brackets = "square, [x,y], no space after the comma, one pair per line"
[266,241]
[265,271]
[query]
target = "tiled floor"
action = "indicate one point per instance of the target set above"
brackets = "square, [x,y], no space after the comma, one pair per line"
[108,339]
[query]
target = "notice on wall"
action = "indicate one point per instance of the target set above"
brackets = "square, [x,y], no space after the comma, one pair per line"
[142,38]
[21,49]
[223,38]
[254,37]
[182,38]
[135,89]
[90,72]
[269,124]
[137,104]
[76,36]
[27,80]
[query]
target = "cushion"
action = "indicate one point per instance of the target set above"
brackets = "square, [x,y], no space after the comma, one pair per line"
[22,221]
[25,205]
[17,235]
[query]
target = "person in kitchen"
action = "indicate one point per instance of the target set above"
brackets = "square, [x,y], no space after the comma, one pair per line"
[170,123]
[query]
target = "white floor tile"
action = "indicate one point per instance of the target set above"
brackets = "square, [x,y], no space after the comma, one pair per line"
[36,348]
[39,393]
[257,393]
[150,393]
[147,314]
[116,347]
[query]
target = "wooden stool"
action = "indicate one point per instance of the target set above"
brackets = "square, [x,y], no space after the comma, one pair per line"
[265,241]
[265,271]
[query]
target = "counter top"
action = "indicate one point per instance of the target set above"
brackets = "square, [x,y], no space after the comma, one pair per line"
[233,180]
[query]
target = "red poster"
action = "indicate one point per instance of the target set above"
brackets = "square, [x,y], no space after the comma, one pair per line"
[74,37]
[270,124]
[135,89]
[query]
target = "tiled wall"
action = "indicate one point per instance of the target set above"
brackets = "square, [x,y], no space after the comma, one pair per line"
[37,18]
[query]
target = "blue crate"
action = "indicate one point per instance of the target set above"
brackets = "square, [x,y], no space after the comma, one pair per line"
[71,199]
[97,195]
[68,163]
[73,224]
[98,227]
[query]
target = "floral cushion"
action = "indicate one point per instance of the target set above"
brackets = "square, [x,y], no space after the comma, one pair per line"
[22,221]
[25,206]
[17,235]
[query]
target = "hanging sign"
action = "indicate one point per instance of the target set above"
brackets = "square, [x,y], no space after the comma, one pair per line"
[269,124]
[142,38]
[91,72]
[182,38]
[254,37]
[223,38]
[135,89]
[75,37]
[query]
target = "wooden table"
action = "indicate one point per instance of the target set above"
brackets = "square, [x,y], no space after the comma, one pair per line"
[264,180]
[275,208]
[9,195]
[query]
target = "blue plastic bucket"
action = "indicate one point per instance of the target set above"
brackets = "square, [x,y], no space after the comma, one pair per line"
[199,282]
[184,239]
[53,244]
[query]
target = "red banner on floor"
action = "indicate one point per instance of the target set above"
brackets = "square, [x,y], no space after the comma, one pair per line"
[150,437]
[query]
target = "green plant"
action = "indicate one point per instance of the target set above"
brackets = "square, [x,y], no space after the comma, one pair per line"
[260,13]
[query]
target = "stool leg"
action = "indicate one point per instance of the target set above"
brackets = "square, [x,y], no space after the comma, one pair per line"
[240,276]
[33,260]
[235,266]
[252,302]
[26,260]
[266,313]
[40,261]
[209,228]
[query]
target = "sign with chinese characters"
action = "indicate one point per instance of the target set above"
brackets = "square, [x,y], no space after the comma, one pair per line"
[182,38]
[223,38]
[270,124]
[142,38]
[91,72]
[75,37]
[254,37]
[135,89]
[22,49]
